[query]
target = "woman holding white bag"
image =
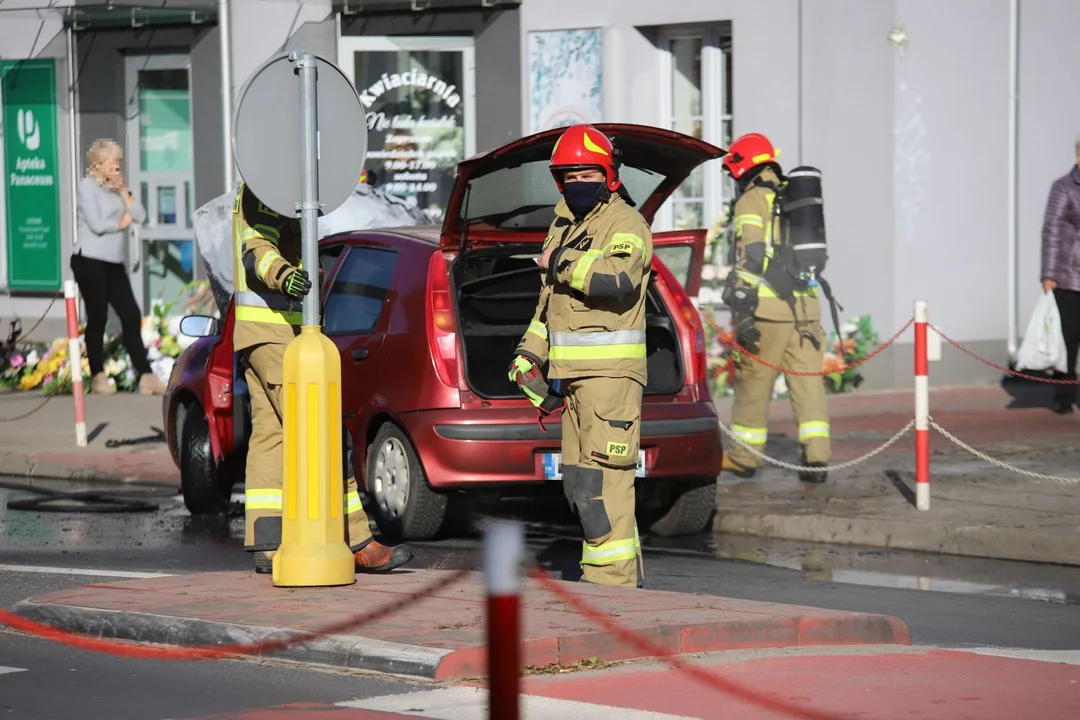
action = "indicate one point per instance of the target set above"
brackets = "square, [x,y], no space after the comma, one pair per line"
[1061,271]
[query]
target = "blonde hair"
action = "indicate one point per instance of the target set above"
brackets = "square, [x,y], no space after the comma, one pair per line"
[102,149]
[1078,146]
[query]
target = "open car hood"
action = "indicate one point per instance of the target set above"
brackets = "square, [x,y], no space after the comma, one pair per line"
[508,193]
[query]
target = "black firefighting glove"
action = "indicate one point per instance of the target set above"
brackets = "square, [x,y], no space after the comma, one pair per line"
[747,334]
[297,284]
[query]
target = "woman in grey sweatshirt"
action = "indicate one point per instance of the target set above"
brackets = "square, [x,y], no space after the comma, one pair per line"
[105,207]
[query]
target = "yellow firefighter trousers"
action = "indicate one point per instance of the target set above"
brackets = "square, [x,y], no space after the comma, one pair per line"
[265,463]
[601,433]
[781,345]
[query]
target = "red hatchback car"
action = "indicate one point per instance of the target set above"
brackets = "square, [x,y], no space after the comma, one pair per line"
[427,319]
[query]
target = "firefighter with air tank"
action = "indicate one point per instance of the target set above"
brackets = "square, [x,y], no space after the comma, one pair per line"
[589,329]
[772,291]
[269,286]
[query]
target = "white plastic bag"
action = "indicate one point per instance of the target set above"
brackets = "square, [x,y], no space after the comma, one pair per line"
[1044,344]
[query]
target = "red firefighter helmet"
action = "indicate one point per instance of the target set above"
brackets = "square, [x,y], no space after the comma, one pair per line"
[748,152]
[580,147]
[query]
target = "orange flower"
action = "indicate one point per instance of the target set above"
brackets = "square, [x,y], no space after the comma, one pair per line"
[849,347]
[832,364]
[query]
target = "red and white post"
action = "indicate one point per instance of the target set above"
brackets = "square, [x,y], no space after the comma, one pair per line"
[922,410]
[75,361]
[504,558]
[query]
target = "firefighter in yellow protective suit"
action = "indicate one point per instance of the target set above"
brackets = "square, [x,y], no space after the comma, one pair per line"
[589,328]
[270,287]
[785,333]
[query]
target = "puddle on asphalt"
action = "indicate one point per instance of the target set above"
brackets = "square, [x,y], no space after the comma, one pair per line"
[895,568]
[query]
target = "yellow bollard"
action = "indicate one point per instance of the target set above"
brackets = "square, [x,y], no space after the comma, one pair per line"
[313,550]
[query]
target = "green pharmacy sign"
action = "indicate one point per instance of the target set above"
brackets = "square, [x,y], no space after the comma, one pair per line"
[32,174]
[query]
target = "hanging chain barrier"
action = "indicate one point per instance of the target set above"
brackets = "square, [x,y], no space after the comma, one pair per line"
[999,463]
[1000,368]
[828,468]
[28,413]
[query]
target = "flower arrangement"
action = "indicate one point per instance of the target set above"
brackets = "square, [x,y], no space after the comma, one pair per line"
[859,339]
[47,367]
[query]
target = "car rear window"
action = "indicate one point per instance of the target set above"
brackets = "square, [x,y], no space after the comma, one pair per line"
[524,197]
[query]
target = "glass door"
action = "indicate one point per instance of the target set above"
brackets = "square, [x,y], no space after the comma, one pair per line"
[160,172]
[696,72]
[419,96]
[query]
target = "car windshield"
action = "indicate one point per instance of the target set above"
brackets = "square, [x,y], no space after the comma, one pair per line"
[524,197]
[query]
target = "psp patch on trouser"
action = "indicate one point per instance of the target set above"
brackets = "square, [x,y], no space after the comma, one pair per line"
[263,497]
[601,427]
[782,344]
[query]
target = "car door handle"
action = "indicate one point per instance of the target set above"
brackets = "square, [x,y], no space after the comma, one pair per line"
[359,355]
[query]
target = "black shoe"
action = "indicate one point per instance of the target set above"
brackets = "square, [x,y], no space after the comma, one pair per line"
[817,476]
[263,564]
[1062,405]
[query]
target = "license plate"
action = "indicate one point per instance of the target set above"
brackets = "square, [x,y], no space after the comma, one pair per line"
[553,466]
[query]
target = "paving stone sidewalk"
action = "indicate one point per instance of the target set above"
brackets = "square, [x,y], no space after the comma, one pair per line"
[443,635]
[977,508]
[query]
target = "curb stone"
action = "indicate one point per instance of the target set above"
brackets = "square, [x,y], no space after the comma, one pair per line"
[965,540]
[333,650]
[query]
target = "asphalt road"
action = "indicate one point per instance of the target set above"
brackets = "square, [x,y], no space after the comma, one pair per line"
[57,679]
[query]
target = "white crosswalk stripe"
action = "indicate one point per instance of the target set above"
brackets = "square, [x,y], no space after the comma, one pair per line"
[82,571]
[464,703]
[6,670]
[1068,657]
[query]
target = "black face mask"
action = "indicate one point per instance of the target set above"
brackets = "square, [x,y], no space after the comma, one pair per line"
[581,197]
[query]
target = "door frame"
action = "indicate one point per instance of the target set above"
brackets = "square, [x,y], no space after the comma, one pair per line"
[185,197]
[714,92]
[350,44]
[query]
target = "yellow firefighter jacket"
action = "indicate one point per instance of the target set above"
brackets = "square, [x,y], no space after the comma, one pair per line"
[590,318]
[756,230]
[267,247]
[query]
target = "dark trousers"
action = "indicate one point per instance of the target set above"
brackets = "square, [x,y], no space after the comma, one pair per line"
[103,284]
[1068,302]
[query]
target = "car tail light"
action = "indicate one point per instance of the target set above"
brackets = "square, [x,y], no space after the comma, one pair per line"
[693,319]
[441,325]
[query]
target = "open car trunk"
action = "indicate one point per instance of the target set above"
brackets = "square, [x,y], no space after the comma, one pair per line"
[496,292]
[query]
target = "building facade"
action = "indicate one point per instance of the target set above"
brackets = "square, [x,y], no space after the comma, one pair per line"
[938,126]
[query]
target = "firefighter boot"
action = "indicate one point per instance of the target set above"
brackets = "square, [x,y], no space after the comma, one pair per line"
[729,465]
[377,558]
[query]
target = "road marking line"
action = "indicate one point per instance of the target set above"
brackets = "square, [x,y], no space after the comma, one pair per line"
[1067,657]
[81,571]
[464,703]
[6,670]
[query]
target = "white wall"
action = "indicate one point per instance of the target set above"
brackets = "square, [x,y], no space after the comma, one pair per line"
[1049,124]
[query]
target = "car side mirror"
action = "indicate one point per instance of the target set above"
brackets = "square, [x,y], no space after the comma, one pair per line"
[198,326]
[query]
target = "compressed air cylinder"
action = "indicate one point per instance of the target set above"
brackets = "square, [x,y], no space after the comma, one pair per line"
[313,550]
[804,213]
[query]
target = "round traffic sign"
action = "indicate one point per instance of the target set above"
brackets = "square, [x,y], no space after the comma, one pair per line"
[266,135]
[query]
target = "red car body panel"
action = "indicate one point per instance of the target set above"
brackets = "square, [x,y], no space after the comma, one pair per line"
[391,374]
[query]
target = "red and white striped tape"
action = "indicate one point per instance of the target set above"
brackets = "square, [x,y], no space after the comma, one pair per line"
[75,361]
[922,410]
[504,557]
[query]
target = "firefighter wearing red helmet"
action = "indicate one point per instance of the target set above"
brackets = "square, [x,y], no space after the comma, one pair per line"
[783,333]
[589,328]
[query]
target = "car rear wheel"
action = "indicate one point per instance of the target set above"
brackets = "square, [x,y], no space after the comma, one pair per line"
[677,507]
[404,505]
[205,490]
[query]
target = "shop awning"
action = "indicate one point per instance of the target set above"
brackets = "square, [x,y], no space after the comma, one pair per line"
[104,14]
[361,7]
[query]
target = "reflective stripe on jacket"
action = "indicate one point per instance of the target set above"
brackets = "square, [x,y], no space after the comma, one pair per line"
[755,234]
[590,316]
[267,246]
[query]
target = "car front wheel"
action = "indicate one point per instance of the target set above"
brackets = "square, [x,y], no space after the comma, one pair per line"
[205,490]
[404,505]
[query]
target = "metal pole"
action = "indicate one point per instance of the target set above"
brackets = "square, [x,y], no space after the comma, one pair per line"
[503,555]
[922,410]
[1011,281]
[73,137]
[226,89]
[309,178]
